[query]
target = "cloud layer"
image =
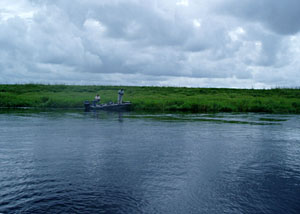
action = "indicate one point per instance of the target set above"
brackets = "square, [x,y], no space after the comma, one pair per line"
[142,42]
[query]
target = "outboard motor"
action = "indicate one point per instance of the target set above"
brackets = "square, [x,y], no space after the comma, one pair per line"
[87,105]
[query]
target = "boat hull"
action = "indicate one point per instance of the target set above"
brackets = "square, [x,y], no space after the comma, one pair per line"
[107,107]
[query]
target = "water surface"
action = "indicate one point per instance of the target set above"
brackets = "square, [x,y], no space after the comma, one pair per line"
[76,162]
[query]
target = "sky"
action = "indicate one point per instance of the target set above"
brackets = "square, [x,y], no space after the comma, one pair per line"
[185,43]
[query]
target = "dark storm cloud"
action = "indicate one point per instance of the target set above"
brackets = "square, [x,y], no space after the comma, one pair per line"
[280,16]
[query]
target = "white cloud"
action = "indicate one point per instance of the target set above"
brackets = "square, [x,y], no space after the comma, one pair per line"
[235,34]
[197,23]
[136,42]
[183,3]
[21,8]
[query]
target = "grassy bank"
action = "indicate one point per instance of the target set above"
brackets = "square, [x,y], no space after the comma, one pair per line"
[158,99]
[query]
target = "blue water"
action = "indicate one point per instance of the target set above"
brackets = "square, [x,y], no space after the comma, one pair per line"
[76,162]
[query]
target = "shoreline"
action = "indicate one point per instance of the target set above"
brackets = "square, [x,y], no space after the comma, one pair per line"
[154,99]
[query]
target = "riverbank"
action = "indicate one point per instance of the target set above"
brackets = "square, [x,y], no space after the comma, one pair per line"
[155,99]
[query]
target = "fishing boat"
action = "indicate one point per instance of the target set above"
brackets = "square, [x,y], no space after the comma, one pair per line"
[90,106]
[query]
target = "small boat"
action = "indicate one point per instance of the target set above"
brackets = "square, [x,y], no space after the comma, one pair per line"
[125,106]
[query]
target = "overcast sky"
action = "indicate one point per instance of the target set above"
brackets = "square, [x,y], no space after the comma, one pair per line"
[196,43]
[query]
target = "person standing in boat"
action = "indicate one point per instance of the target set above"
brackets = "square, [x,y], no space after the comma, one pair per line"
[97,99]
[120,95]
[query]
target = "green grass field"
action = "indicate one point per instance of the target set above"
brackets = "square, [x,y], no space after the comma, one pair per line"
[156,99]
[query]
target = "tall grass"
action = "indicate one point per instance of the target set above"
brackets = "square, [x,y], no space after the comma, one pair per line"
[157,99]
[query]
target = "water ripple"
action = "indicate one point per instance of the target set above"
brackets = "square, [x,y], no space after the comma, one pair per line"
[130,163]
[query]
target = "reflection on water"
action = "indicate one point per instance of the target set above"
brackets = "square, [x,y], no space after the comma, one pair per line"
[105,162]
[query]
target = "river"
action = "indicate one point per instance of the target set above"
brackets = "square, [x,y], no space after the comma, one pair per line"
[77,162]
